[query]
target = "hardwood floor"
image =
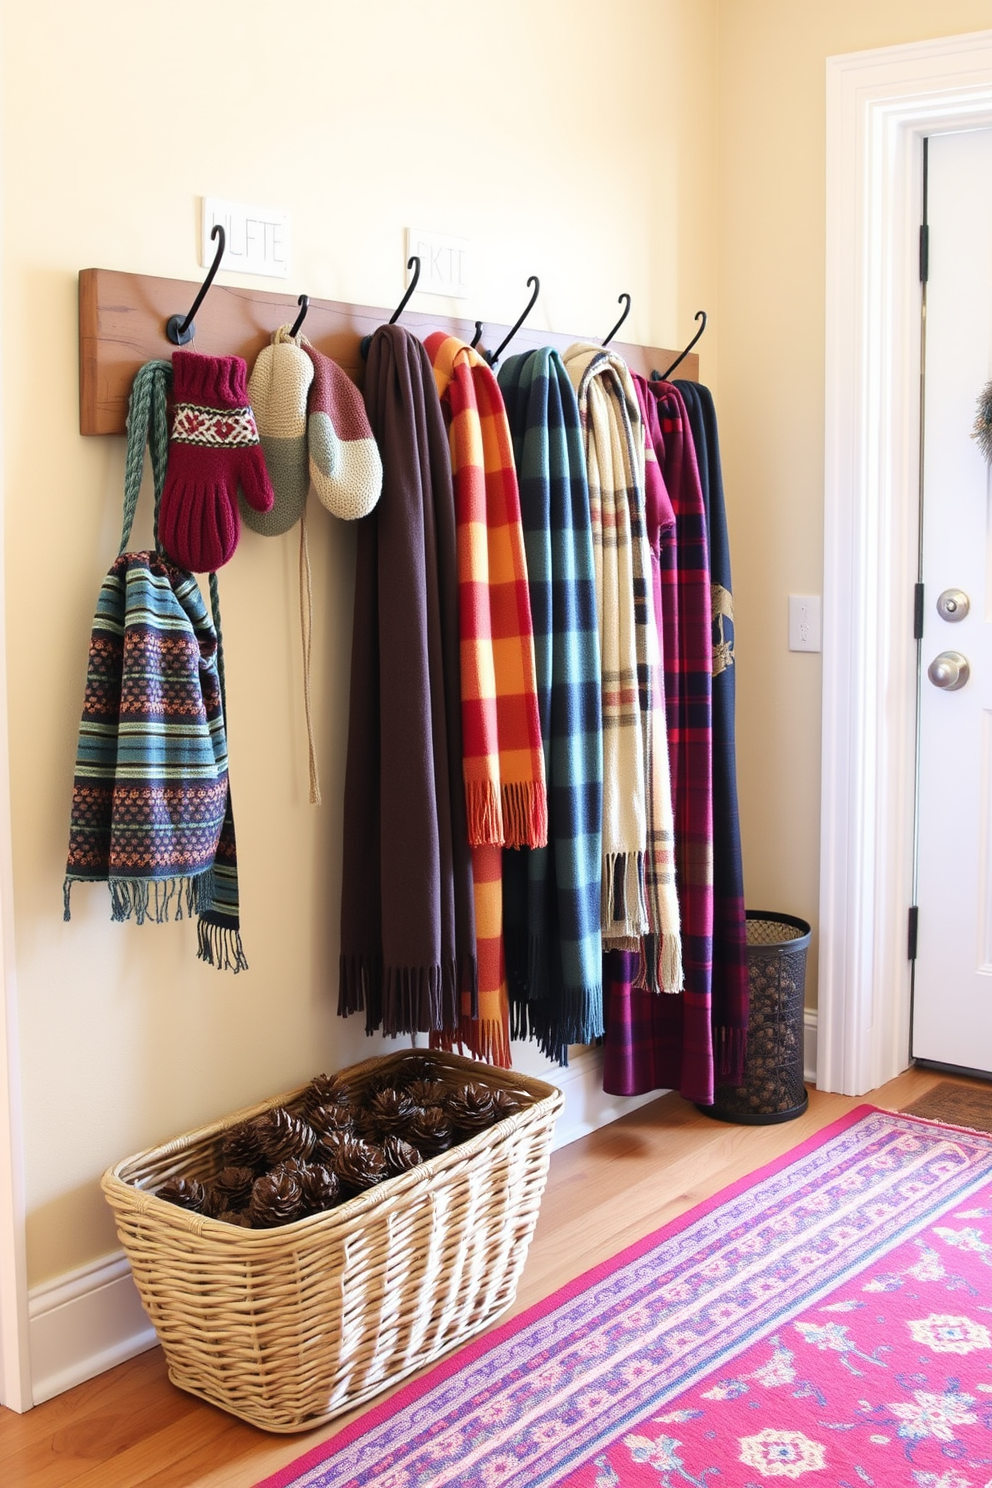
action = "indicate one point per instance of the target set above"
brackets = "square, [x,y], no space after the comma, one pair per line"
[131,1427]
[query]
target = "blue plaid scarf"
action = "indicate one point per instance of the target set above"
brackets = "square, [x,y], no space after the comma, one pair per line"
[552,894]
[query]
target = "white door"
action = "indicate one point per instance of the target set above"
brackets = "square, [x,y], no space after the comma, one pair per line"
[952,1004]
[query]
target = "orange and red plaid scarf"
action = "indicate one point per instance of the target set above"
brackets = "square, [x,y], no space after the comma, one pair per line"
[502,754]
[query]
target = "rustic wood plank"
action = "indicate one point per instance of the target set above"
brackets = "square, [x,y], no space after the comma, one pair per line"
[122,319]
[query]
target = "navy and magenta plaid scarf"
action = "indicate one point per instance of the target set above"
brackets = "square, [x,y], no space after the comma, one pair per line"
[667,1042]
[551,909]
[730,977]
[151,802]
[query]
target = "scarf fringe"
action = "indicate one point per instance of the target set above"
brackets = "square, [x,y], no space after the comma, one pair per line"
[730,1050]
[220,946]
[485,816]
[525,813]
[622,907]
[141,899]
[487,1040]
[360,989]
[659,967]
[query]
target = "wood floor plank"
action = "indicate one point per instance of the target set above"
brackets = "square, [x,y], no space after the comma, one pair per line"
[130,1428]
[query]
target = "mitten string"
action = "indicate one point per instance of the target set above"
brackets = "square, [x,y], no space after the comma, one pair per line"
[147,423]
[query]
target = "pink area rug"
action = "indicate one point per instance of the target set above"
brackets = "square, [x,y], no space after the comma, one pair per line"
[827,1319]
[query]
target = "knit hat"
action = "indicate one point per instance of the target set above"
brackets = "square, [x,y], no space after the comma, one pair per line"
[277,390]
[344,458]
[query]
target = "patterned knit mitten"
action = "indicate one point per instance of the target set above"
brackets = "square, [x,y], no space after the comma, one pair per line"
[214,448]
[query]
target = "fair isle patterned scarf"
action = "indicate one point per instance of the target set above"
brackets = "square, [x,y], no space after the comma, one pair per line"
[639,902]
[502,753]
[551,894]
[151,802]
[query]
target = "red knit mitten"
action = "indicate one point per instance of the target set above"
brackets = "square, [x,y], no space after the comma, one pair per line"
[214,448]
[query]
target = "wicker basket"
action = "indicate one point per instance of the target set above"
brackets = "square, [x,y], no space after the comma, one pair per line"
[290,1327]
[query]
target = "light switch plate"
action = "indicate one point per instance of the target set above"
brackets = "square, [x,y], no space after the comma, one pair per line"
[257,237]
[804,622]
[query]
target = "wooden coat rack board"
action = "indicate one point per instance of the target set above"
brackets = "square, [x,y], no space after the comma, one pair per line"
[122,320]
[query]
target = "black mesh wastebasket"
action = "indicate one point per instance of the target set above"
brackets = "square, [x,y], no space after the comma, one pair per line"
[773,1088]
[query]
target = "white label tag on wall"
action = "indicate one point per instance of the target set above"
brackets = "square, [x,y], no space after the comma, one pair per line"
[257,237]
[444,262]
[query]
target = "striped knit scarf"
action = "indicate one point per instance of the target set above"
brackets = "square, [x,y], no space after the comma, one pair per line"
[151,808]
[639,902]
[502,755]
[551,894]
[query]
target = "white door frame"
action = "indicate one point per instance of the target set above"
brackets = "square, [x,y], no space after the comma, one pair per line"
[880,104]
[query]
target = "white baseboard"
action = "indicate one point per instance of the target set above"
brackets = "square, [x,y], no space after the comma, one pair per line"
[91,1319]
[83,1323]
[809,1046]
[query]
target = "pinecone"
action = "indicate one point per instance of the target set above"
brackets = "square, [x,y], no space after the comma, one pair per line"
[186,1193]
[321,1188]
[431,1131]
[276,1198]
[376,1083]
[426,1092]
[357,1163]
[505,1103]
[284,1135]
[242,1148]
[470,1107]
[417,1067]
[400,1155]
[326,1090]
[326,1119]
[237,1217]
[387,1112]
[232,1187]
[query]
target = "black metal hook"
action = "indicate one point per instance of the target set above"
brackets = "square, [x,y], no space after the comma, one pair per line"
[413,262]
[495,356]
[626,312]
[478,334]
[304,303]
[664,376]
[179,331]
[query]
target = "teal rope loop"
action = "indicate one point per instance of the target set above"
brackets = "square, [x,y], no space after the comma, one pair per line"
[147,424]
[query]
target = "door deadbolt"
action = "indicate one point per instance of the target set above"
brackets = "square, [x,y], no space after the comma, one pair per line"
[953,605]
[949,671]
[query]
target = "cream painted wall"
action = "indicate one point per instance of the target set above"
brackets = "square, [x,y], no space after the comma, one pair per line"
[574,140]
[771,297]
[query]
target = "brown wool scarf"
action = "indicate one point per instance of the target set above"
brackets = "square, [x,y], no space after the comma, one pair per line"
[407,920]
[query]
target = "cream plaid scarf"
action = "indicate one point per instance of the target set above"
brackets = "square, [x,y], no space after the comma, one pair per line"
[639,905]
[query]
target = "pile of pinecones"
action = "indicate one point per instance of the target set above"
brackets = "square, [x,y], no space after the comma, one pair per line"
[335,1143]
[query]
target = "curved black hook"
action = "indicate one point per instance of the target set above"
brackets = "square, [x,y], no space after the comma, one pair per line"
[664,376]
[494,358]
[304,303]
[178,330]
[413,262]
[626,312]
[478,334]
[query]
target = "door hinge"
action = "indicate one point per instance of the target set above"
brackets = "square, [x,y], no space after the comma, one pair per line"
[924,252]
[918,613]
[914,919]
